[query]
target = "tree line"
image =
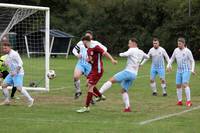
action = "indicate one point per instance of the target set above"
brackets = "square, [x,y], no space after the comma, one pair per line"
[115,21]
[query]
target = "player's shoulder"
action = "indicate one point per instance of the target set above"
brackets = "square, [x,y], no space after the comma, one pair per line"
[80,43]
[176,50]
[161,48]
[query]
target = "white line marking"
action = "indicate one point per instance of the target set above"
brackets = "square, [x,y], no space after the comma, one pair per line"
[168,116]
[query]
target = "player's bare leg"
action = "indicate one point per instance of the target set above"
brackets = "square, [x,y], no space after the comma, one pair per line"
[164,88]
[187,93]
[77,75]
[179,94]
[125,98]
[26,94]
[6,95]
[153,86]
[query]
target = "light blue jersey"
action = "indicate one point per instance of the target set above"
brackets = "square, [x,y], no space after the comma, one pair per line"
[185,62]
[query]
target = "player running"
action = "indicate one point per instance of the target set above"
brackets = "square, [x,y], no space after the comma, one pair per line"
[128,75]
[82,66]
[4,72]
[15,76]
[158,55]
[95,59]
[186,65]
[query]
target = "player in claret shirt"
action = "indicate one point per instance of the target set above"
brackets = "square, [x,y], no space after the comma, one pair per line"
[95,53]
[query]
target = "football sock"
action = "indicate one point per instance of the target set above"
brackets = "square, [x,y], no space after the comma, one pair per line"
[153,86]
[26,94]
[14,89]
[96,91]
[77,85]
[179,94]
[125,98]
[187,93]
[6,94]
[88,99]
[105,87]
[163,88]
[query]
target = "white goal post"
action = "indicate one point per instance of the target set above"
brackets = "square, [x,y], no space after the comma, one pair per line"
[16,21]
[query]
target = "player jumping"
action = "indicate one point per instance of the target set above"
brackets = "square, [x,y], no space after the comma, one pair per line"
[95,59]
[157,53]
[128,75]
[15,76]
[186,65]
[82,66]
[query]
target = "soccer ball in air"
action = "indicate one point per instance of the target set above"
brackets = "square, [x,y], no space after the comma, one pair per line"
[51,74]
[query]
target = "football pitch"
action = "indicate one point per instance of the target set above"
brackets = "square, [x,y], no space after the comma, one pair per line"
[54,111]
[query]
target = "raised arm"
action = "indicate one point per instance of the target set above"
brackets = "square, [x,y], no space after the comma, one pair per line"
[125,54]
[145,58]
[110,57]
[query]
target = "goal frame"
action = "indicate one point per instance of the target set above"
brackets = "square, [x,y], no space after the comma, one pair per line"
[46,41]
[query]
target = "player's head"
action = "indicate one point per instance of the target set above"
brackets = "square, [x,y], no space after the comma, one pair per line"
[156,43]
[6,47]
[181,42]
[86,41]
[90,34]
[132,42]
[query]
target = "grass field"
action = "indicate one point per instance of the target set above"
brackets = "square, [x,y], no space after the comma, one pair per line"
[54,112]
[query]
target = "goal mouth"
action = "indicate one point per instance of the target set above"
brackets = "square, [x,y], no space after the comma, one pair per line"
[18,21]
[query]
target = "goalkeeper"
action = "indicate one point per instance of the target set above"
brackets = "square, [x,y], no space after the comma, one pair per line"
[4,72]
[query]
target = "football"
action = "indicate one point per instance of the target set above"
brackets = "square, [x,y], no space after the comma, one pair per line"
[51,74]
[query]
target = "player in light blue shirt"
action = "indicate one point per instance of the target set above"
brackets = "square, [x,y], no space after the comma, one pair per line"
[185,65]
[158,55]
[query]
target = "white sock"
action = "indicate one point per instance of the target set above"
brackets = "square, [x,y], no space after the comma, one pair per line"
[153,86]
[6,94]
[77,85]
[105,87]
[125,98]
[179,94]
[26,94]
[164,88]
[187,93]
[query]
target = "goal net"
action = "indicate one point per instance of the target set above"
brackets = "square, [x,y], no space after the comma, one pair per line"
[22,25]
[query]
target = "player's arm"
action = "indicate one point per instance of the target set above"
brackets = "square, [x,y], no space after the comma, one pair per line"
[125,54]
[76,50]
[105,53]
[145,58]
[110,57]
[166,56]
[18,59]
[191,58]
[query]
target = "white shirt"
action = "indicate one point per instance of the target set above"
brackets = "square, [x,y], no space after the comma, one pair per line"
[13,61]
[82,50]
[157,56]
[134,57]
[184,59]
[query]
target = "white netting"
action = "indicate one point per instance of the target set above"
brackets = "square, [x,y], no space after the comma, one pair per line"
[25,30]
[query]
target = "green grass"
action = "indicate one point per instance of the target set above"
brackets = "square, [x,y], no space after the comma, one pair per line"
[54,112]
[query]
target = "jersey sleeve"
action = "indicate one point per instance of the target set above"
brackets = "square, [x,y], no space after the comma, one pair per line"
[76,49]
[171,60]
[146,59]
[166,55]
[125,54]
[191,58]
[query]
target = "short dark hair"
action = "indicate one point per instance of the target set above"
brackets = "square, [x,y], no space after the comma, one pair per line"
[155,39]
[133,39]
[181,39]
[85,38]
[7,44]
[90,32]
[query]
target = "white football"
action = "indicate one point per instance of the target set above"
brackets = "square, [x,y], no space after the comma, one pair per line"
[51,74]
